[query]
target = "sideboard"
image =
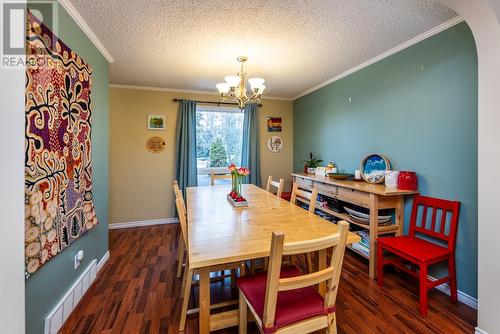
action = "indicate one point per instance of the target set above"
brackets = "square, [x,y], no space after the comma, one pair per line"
[370,196]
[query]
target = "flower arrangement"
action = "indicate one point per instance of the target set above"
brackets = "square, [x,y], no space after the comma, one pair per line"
[237,175]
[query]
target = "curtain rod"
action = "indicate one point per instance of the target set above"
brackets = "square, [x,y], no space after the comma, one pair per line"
[213,102]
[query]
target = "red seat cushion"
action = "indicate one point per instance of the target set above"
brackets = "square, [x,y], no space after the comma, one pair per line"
[291,306]
[286,196]
[416,248]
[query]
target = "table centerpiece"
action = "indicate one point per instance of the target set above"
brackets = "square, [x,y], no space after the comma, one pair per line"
[235,196]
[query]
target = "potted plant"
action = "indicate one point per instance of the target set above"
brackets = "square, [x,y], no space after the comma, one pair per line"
[311,164]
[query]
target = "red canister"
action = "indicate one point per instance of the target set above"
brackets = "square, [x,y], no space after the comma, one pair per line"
[407,180]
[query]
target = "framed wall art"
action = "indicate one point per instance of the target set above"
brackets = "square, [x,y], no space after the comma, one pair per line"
[274,124]
[58,166]
[156,122]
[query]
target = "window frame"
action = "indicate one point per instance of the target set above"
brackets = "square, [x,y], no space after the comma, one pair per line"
[212,108]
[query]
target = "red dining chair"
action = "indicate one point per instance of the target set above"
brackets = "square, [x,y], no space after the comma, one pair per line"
[420,252]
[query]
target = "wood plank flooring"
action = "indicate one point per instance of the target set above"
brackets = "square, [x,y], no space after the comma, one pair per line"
[137,292]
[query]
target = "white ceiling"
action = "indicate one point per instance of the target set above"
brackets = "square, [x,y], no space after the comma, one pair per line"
[294,45]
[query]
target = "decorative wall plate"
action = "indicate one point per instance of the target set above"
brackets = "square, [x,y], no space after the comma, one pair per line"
[275,144]
[373,168]
[155,144]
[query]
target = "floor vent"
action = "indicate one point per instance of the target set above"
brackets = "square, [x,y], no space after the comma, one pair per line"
[63,309]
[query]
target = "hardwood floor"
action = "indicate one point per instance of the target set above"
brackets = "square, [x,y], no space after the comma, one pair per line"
[137,292]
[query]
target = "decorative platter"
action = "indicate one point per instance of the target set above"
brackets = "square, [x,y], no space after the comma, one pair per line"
[155,144]
[373,168]
[357,214]
[340,176]
[274,144]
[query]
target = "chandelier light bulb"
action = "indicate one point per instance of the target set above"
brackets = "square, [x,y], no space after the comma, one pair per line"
[222,87]
[256,82]
[233,80]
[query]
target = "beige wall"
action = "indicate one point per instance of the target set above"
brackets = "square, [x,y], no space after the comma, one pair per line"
[140,182]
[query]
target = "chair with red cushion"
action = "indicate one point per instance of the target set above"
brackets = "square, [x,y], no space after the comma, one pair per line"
[283,300]
[429,241]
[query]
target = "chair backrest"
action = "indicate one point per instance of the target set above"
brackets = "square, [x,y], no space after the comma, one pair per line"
[311,196]
[214,177]
[181,210]
[331,274]
[178,193]
[279,185]
[443,222]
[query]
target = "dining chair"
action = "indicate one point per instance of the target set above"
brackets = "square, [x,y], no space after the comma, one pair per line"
[421,253]
[214,177]
[311,199]
[181,246]
[278,185]
[189,273]
[302,194]
[283,300]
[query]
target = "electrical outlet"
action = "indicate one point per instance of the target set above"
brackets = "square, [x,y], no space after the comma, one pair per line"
[78,258]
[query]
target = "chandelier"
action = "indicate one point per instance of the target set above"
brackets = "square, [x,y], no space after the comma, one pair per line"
[234,89]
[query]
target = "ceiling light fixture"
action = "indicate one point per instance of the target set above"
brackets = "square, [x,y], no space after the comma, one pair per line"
[234,88]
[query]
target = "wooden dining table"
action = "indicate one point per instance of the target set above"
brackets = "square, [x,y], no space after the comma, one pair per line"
[219,233]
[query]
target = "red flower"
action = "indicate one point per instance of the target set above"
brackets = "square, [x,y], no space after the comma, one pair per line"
[243,171]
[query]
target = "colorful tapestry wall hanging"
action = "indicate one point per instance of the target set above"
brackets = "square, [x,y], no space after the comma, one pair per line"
[58,168]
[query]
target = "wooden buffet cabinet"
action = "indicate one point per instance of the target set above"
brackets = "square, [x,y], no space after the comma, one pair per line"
[370,196]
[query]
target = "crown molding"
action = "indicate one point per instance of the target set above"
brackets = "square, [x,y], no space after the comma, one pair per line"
[446,25]
[185,91]
[86,29]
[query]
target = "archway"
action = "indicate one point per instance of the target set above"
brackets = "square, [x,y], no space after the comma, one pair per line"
[484,23]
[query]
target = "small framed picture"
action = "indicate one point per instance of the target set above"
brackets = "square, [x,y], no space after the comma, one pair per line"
[156,122]
[274,124]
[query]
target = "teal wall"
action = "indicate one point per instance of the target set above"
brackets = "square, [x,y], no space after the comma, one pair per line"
[49,284]
[423,120]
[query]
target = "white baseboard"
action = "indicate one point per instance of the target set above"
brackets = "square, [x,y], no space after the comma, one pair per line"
[142,223]
[461,296]
[60,313]
[103,261]
[480,331]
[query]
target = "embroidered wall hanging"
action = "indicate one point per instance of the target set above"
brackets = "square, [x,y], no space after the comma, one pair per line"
[58,168]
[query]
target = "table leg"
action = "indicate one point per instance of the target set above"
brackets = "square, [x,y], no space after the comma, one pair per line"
[322,265]
[204,300]
[373,235]
[400,215]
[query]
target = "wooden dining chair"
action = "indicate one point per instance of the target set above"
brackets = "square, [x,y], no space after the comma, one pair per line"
[283,300]
[278,185]
[189,273]
[181,245]
[311,198]
[419,247]
[214,177]
[302,194]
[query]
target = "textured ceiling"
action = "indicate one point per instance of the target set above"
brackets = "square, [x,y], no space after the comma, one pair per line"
[294,45]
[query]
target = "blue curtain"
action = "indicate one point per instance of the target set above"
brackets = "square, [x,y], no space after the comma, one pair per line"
[186,173]
[250,152]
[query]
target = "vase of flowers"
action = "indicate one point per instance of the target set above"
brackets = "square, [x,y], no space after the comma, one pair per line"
[237,175]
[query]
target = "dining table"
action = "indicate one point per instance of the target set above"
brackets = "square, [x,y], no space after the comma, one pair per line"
[219,234]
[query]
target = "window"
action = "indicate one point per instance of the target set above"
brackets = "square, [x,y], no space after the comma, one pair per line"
[219,135]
